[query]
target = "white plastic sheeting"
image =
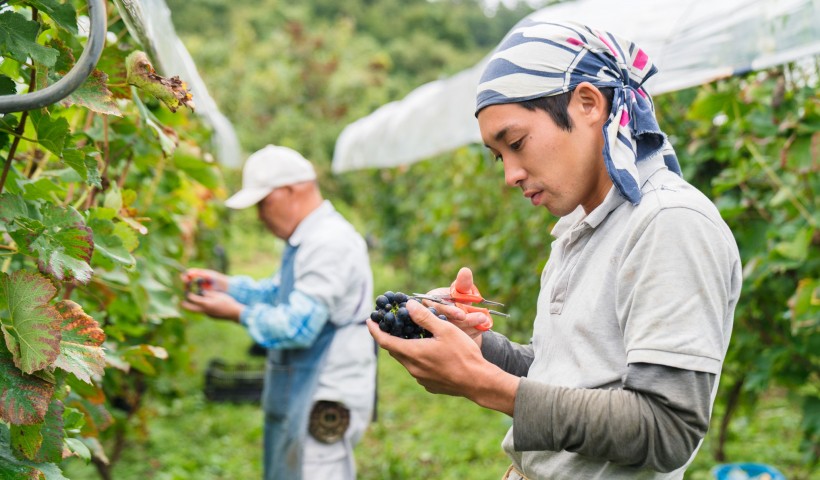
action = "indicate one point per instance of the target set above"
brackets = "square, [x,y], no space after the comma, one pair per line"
[691,41]
[149,21]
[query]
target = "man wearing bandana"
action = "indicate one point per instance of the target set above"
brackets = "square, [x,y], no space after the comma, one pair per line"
[638,295]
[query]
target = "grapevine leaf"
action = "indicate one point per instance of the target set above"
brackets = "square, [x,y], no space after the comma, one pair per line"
[12,207]
[78,448]
[63,14]
[97,418]
[13,468]
[42,189]
[26,440]
[7,86]
[18,40]
[797,247]
[173,92]
[84,161]
[94,95]
[8,123]
[137,356]
[42,442]
[51,132]
[24,398]
[203,172]
[127,235]
[65,59]
[32,328]
[65,246]
[805,307]
[81,350]
[109,243]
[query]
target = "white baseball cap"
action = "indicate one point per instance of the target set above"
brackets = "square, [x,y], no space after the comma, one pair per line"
[267,169]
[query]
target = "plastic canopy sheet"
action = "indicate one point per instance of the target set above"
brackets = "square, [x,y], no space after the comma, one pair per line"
[149,21]
[691,41]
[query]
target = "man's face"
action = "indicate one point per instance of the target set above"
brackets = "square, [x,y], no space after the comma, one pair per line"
[275,211]
[554,168]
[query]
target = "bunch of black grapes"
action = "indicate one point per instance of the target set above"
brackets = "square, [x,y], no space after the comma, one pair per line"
[392,316]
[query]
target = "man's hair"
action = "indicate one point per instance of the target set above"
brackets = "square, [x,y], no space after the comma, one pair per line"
[556,106]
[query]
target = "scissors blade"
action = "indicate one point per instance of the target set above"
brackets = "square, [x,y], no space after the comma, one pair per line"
[433,298]
[484,301]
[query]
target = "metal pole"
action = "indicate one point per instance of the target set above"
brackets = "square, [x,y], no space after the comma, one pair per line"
[75,77]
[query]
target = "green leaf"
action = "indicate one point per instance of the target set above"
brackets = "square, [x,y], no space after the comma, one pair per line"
[18,40]
[13,468]
[8,122]
[167,143]
[109,244]
[42,189]
[52,133]
[173,92]
[63,14]
[113,199]
[128,236]
[91,403]
[203,172]
[12,207]
[24,399]
[32,328]
[65,246]
[81,350]
[138,355]
[26,439]
[94,95]
[805,307]
[84,161]
[41,442]
[7,86]
[78,448]
[798,247]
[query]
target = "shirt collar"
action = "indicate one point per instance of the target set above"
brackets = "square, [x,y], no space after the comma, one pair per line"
[310,222]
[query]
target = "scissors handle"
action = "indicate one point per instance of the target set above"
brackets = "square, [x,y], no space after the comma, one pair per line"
[474,296]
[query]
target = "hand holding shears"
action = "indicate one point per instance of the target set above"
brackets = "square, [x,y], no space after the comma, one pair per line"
[463,294]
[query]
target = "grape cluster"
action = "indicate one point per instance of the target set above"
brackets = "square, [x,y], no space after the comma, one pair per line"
[392,316]
[198,285]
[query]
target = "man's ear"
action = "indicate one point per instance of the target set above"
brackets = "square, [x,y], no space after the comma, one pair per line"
[589,104]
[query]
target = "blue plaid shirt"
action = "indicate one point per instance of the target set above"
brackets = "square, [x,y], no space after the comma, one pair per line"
[294,324]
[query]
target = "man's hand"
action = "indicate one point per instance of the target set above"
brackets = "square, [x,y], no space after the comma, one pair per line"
[218,281]
[467,322]
[450,362]
[214,304]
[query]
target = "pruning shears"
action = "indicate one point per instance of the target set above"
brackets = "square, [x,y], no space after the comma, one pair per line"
[465,301]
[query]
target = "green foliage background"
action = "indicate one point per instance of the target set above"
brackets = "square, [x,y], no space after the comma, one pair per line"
[102,194]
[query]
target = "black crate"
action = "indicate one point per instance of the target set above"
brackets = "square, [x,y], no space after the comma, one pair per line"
[238,383]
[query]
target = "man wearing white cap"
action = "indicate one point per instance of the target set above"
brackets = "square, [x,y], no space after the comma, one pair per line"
[320,374]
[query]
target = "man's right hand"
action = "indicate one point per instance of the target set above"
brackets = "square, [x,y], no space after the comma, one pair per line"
[218,281]
[467,322]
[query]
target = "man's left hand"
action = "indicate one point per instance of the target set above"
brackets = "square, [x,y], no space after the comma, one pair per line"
[214,304]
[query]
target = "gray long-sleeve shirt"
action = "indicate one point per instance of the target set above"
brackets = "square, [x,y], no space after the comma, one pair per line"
[655,419]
